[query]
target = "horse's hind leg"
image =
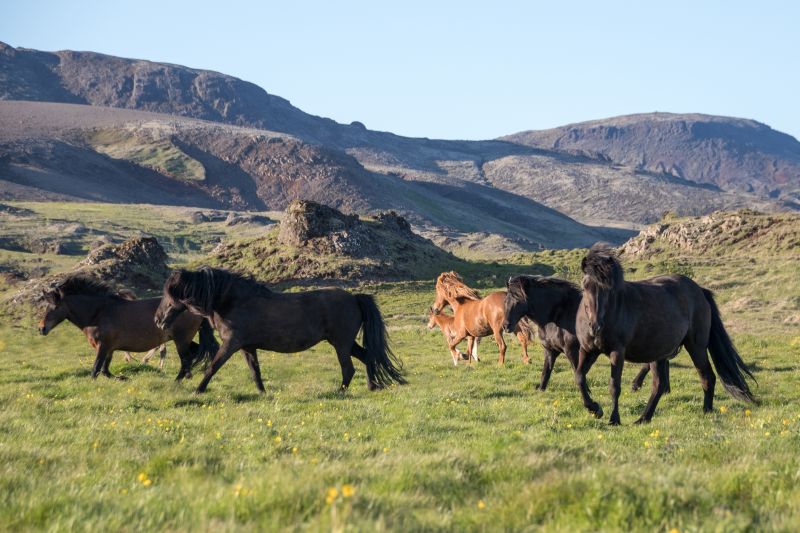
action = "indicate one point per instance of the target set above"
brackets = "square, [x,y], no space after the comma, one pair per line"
[639,379]
[523,341]
[659,384]
[501,346]
[252,361]
[359,353]
[105,369]
[708,379]
[162,355]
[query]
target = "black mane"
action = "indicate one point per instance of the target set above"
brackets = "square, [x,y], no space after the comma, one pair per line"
[602,266]
[79,284]
[518,285]
[204,285]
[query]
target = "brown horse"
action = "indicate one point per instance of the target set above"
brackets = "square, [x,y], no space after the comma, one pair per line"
[474,316]
[111,322]
[446,324]
[249,316]
[127,294]
[648,321]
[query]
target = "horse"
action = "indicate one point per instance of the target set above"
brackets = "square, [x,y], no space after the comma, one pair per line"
[552,304]
[474,316]
[445,323]
[249,316]
[113,322]
[649,321]
[128,294]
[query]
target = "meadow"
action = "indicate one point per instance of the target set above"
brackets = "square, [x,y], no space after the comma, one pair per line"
[459,448]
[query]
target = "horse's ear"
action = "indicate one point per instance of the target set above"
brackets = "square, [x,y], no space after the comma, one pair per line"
[52,297]
[583,265]
[508,281]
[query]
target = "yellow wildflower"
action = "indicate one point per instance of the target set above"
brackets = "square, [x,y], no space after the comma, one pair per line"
[142,476]
[481,504]
[331,495]
[278,439]
[147,482]
[747,412]
[348,490]
[723,409]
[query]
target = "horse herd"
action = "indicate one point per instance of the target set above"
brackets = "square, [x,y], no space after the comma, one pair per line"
[645,322]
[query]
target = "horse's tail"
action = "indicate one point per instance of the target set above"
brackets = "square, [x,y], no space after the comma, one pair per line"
[382,364]
[208,344]
[727,362]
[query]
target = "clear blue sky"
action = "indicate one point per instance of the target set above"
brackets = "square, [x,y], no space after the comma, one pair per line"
[461,69]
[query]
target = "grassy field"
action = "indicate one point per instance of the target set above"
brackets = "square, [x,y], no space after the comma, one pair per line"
[459,448]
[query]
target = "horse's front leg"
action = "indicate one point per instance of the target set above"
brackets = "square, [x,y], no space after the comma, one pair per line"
[223,354]
[523,341]
[584,364]
[453,342]
[617,358]
[105,364]
[547,369]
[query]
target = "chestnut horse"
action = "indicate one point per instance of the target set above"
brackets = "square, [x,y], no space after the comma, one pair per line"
[445,323]
[648,321]
[112,322]
[474,316]
[249,316]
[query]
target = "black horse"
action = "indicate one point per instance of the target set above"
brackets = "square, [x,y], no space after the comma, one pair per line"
[648,321]
[552,304]
[249,316]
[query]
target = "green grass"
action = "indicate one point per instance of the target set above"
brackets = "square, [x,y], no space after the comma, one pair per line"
[161,155]
[459,448]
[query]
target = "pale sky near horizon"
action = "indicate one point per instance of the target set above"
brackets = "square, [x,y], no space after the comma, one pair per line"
[457,70]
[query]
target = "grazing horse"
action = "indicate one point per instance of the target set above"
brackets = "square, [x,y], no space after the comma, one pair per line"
[474,316]
[113,322]
[249,316]
[551,304]
[648,321]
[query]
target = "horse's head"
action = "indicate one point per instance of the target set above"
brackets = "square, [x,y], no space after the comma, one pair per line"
[55,311]
[440,303]
[171,300]
[431,319]
[602,274]
[515,305]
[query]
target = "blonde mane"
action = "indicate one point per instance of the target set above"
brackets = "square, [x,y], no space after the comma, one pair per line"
[453,288]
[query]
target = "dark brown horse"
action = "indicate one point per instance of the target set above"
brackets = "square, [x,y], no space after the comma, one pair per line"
[249,316]
[113,322]
[648,321]
[551,304]
[475,316]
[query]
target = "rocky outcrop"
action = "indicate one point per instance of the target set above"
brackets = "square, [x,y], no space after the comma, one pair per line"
[139,263]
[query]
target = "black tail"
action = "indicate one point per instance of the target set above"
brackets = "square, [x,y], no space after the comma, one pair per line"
[208,344]
[727,362]
[382,364]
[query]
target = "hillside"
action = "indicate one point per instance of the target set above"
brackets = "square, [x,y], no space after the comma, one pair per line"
[78,152]
[730,153]
[517,187]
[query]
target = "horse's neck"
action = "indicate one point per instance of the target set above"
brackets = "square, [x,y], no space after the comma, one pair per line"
[561,308]
[83,309]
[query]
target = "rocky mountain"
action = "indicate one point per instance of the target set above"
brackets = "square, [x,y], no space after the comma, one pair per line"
[730,153]
[194,137]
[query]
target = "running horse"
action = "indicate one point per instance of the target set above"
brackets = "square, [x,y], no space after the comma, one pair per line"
[249,316]
[648,321]
[475,316]
[112,322]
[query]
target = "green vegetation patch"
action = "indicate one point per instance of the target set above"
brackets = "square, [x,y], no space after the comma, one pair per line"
[161,155]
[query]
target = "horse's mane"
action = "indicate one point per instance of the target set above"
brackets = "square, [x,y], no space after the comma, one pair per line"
[204,285]
[517,286]
[80,284]
[454,287]
[602,266]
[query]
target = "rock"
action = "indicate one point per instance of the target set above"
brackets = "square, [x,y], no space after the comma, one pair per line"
[309,220]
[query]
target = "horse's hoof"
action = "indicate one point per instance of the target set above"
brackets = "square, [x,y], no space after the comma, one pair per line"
[598,413]
[635,387]
[614,421]
[641,420]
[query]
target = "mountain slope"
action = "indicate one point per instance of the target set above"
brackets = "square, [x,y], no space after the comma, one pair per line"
[503,186]
[731,153]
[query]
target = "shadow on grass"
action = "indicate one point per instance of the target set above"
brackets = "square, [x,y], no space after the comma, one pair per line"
[132,369]
[241,397]
[504,394]
[336,394]
[190,402]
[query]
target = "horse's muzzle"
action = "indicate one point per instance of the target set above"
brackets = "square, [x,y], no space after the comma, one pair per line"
[595,328]
[43,330]
[507,327]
